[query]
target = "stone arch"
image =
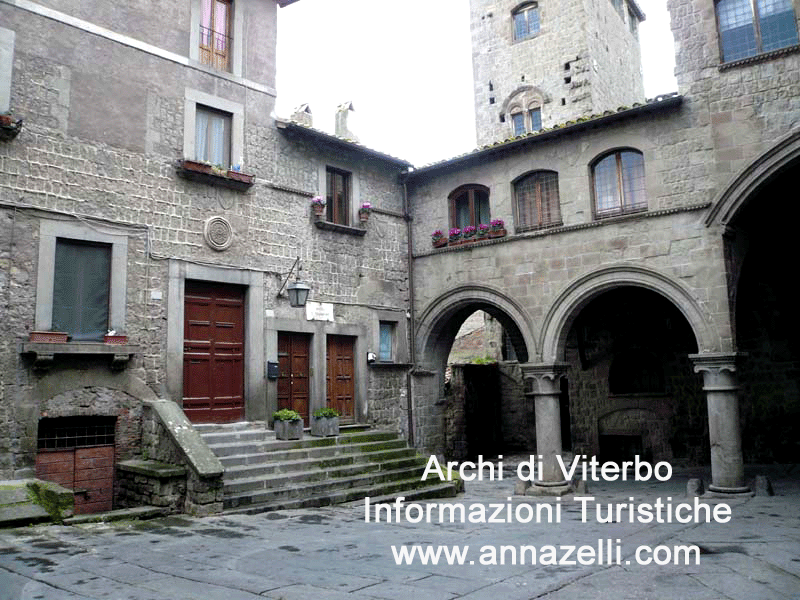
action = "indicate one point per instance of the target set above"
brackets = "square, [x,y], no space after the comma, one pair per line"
[439,317]
[579,293]
[59,382]
[735,195]
[524,94]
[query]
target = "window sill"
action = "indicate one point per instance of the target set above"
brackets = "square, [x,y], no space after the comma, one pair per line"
[620,214]
[757,58]
[44,353]
[204,173]
[9,128]
[346,229]
[389,365]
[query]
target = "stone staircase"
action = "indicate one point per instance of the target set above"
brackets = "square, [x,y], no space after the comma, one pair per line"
[263,474]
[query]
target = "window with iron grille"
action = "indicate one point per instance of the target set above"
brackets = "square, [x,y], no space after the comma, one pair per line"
[213,136]
[64,433]
[537,200]
[338,202]
[215,33]
[750,27]
[526,21]
[618,183]
[469,205]
[81,280]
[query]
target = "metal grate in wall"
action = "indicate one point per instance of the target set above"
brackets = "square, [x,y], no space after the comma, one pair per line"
[76,432]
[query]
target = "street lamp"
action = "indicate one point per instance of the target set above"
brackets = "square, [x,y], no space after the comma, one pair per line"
[297,290]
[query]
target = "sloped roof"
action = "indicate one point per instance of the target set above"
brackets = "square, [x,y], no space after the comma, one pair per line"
[318,134]
[657,104]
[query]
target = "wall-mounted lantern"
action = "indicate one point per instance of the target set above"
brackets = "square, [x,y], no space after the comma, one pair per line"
[297,290]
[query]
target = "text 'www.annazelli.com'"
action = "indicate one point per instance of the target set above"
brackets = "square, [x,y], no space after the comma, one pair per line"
[605,552]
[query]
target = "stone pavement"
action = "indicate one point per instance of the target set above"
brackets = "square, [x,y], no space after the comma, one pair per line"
[332,554]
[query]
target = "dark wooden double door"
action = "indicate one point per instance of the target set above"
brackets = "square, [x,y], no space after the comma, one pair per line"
[213,352]
[294,362]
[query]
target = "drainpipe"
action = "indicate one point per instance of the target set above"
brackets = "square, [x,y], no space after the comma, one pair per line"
[412,320]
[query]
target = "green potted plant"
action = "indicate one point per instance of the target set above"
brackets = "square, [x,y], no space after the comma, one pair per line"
[498,228]
[483,231]
[363,212]
[455,236]
[318,206]
[325,422]
[288,424]
[437,239]
[468,233]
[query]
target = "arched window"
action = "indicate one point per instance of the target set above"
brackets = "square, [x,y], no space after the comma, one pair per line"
[526,21]
[537,201]
[618,183]
[750,27]
[469,205]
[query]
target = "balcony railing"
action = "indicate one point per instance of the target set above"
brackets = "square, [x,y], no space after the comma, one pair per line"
[215,48]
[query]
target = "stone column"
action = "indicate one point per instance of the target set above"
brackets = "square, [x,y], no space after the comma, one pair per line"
[721,388]
[546,394]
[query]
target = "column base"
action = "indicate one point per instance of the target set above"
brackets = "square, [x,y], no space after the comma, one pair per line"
[717,491]
[550,488]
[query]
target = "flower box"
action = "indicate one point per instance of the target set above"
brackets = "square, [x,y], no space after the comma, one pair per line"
[363,216]
[289,430]
[206,173]
[115,339]
[440,242]
[324,426]
[497,233]
[49,337]
[9,128]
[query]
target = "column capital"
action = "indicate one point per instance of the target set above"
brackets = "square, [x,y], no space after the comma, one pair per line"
[541,371]
[718,369]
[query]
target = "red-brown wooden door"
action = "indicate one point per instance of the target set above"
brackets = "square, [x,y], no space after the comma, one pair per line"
[341,381]
[213,353]
[293,372]
[89,472]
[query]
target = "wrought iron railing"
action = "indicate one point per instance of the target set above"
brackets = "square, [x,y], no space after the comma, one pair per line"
[215,48]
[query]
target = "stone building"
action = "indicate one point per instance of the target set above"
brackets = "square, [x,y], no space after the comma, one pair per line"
[633,271]
[149,191]
[145,189]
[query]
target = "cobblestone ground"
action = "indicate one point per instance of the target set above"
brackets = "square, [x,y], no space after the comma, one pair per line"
[333,554]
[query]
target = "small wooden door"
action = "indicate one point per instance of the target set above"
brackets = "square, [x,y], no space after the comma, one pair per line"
[293,372]
[89,472]
[213,353]
[341,381]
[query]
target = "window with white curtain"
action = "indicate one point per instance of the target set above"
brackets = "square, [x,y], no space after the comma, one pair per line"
[213,136]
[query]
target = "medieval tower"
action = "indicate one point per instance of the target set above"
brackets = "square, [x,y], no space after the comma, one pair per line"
[536,64]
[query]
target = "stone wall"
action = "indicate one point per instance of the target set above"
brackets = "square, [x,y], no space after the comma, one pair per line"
[584,60]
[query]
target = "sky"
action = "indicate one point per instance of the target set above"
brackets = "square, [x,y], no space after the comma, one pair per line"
[407,69]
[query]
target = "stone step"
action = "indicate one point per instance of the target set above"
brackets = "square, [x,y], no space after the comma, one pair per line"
[295,478]
[233,472]
[326,448]
[344,490]
[353,496]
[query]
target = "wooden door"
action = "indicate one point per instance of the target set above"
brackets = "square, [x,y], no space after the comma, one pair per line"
[293,372]
[89,472]
[213,353]
[341,381]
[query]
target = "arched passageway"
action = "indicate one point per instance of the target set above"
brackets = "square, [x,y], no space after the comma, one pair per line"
[632,390]
[477,405]
[762,254]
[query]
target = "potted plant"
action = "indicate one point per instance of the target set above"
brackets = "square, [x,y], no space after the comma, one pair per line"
[363,212]
[468,233]
[498,228]
[288,424]
[325,422]
[437,239]
[454,236]
[318,205]
[483,231]
[49,337]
